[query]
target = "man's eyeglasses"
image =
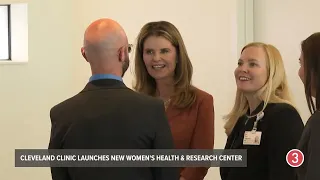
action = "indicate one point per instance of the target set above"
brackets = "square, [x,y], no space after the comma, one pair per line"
[130,47]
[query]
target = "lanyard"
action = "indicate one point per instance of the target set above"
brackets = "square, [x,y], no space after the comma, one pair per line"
[259,117]
[255,126]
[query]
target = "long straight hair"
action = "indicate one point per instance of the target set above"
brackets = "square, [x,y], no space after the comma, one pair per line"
[185,94]
[275,90]
[311,54]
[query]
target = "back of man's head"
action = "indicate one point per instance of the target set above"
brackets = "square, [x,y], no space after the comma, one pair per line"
[105,47]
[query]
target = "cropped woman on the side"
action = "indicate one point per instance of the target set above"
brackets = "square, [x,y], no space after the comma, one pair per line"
[163,69]
[309,73]
[263,120]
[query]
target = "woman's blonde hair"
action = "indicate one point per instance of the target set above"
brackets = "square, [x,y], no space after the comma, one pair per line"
[275,90]
[184,92]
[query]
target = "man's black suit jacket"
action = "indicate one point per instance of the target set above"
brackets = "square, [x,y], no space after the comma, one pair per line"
[108,115]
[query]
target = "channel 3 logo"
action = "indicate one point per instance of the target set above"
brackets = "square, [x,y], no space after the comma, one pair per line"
[295,158]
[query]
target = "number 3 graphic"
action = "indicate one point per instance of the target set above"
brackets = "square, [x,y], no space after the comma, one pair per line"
[295,158]
[295,155]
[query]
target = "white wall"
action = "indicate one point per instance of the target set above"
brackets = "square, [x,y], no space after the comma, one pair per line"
[56,69]
[285,24]
[28,91]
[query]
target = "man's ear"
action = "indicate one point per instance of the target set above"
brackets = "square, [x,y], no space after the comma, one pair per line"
[121,54]
[84,54]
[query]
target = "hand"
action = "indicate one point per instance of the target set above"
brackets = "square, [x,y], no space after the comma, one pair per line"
[182,178]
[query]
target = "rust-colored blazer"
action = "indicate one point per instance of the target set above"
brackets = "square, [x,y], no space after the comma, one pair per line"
[193,128]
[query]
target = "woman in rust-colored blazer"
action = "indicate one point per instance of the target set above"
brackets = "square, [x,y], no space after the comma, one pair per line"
[164,70]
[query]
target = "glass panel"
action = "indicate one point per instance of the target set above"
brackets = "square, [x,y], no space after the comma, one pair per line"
[4,35]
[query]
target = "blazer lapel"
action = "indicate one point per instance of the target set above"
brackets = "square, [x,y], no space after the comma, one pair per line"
[172,112]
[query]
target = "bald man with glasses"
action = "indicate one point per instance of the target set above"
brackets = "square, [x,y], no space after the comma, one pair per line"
[108,115]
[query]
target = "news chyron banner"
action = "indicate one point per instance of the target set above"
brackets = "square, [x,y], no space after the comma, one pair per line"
[130,158]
